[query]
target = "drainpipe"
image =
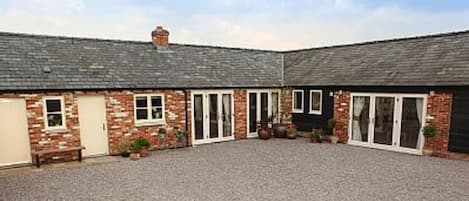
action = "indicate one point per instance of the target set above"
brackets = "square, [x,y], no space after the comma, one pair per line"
[186,108]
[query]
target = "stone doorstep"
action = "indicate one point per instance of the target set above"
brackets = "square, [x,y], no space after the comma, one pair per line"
[28,169]
[458,156]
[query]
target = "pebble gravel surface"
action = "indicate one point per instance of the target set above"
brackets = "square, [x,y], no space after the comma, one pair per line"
[277,169]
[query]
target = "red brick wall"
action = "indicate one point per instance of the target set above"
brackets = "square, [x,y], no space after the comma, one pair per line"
[341,114]
[286,106]
[240,112]
[120,121]
[439,115]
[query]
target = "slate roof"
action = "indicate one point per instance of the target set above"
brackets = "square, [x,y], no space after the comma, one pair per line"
[36,62]
[435,60]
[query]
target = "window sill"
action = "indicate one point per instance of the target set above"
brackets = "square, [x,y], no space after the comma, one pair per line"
[297,111]
[314,112]
[56,131]
[150,123]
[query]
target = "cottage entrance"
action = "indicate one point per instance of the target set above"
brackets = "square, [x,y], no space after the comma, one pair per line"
[387,121]
[212,116]
[261,105]
[92,119]
[14,138]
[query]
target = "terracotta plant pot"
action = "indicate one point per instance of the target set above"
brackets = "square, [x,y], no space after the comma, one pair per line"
[144,152]
[264,134]
[315,140]
[291,136]
[134,156]
[280,130]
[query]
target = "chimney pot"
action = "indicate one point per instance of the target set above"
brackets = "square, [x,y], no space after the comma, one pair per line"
[160,37]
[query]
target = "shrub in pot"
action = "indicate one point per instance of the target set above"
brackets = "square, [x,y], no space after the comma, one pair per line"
[125,148]
[292,133]
[136,148]
[429,132]
[331,123]
[263,131]
[144,145]
[316,135]
[279,129]
[334,139]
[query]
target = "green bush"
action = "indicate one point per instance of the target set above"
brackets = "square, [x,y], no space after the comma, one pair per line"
[162,131]
[142,142]
[429,131]
[316,133]
[125,146]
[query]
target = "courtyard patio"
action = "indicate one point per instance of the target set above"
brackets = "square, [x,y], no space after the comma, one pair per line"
[251,170]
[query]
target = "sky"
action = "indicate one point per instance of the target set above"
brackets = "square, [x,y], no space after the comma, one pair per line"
[259,24]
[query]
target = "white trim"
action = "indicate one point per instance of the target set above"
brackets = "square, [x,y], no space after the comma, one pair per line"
[62,113]
[295,110]
[205,111]
[395,146]
[149,121]
[311,111]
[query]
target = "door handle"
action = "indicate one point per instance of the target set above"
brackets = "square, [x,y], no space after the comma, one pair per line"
[104,126]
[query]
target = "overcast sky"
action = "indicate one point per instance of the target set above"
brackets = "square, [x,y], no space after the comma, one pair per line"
[273,24]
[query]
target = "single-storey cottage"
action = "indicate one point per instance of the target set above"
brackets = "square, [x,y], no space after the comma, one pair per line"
[58,92]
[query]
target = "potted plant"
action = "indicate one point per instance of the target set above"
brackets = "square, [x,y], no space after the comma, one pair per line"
[136,148]
[316,135]
[181,136]
[162,132]
[331,124]
[429,132]
[125,148]
[263,130]
[280,129]
[144,145]
[292,133]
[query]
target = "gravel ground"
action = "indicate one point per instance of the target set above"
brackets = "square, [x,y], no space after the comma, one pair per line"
[253,170]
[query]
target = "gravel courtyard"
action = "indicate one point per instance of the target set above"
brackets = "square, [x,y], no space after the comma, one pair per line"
[253,170]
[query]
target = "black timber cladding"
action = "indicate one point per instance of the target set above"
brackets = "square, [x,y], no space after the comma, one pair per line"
[36,62]
[459,131]
[307,122]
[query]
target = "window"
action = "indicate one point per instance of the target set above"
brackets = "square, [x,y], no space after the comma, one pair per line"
[149,109]
[297,101]
[54,112]
[315,99]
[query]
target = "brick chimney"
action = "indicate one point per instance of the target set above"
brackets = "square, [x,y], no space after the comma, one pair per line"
[159,37]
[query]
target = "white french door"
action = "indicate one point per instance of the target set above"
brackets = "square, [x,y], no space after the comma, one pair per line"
[261,104]
[388,121]
[212,116]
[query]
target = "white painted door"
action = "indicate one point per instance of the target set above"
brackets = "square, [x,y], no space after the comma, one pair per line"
[388,121]
[14,138]
[212,116]
[93,129]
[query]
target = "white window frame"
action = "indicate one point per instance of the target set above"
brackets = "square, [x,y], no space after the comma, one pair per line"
[311,111]
[149,120]
[62,112]
[295,110]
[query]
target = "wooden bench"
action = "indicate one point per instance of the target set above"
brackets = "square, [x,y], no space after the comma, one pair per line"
[37,154]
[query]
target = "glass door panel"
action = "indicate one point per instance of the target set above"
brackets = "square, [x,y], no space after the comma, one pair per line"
[275,108]
[226,115]
[384,120]
[360,118]
[264,106]
[213,115]
[411,122]
[198,117]
[252,112]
